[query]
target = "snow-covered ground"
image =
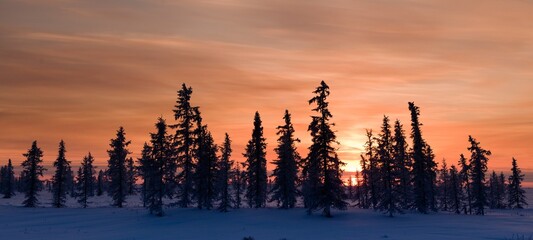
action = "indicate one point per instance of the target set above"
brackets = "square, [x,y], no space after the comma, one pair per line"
[133,222]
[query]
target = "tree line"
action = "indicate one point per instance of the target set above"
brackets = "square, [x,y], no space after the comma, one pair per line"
[182,166]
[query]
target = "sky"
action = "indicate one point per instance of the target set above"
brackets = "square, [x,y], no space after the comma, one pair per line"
[77,70]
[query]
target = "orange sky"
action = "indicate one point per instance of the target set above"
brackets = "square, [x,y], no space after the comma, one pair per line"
[76,70]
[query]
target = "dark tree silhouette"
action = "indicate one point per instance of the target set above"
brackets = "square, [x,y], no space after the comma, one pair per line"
[86,180]
[146,171]
[464,175]
[100,183]
[323,187]
[389,201]
[116,169]
[456,190]
[443,186]
[238,184]
[496,192]
[8,180]
[59,184]
[184,141]
[371,178]
[206,168]
[155,162]
[31,171]
[256,172]
[131,176]
[404,164]
[224,176]
[517,198]
[70,182]
[478,164]
[284,189]
[423,165]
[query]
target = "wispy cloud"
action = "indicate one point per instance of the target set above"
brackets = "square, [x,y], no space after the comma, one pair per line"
[79,69]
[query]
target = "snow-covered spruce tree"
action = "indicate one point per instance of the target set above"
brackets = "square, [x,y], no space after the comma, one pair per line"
[224,175]
[131,176]
[423,165]
[443,187]
[404,164]
[8,180]
[184,142]
[464,175]
[517,198]
[100,183]
[31,171]
[59,184]
[285,174]
[116,168]
[86,180]
[323,186]
[238,184]
[371,172]
[206,167]
[156,160]
[256,172]
[455,191]
[478,164]
[389,201]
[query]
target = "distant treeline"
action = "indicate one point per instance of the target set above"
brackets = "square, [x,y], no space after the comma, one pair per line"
[183,165]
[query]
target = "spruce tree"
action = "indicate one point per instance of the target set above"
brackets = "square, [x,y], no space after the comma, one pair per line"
[455,191]
[389,201]
[465,182]
[206,167]
[517,198]
[492,195]
[350,188]
[31,171]
[444,187]
[256,172]
[145,171]
[70,182]
[323,186]
[478,164]
[423,165]
[100,183]
[116,168]
[8,181]
[184,141]
[364,189]
[86,180]
[285,174]
[157,160]
[431,170]
[238,184]
[59,186]
[502,192]
[131,176]
[404,164]
[224,176]
[371,171]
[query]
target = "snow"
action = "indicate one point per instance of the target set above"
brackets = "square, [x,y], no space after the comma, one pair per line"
[101,221]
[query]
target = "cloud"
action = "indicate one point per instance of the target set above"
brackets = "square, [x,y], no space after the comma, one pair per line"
[79,69]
